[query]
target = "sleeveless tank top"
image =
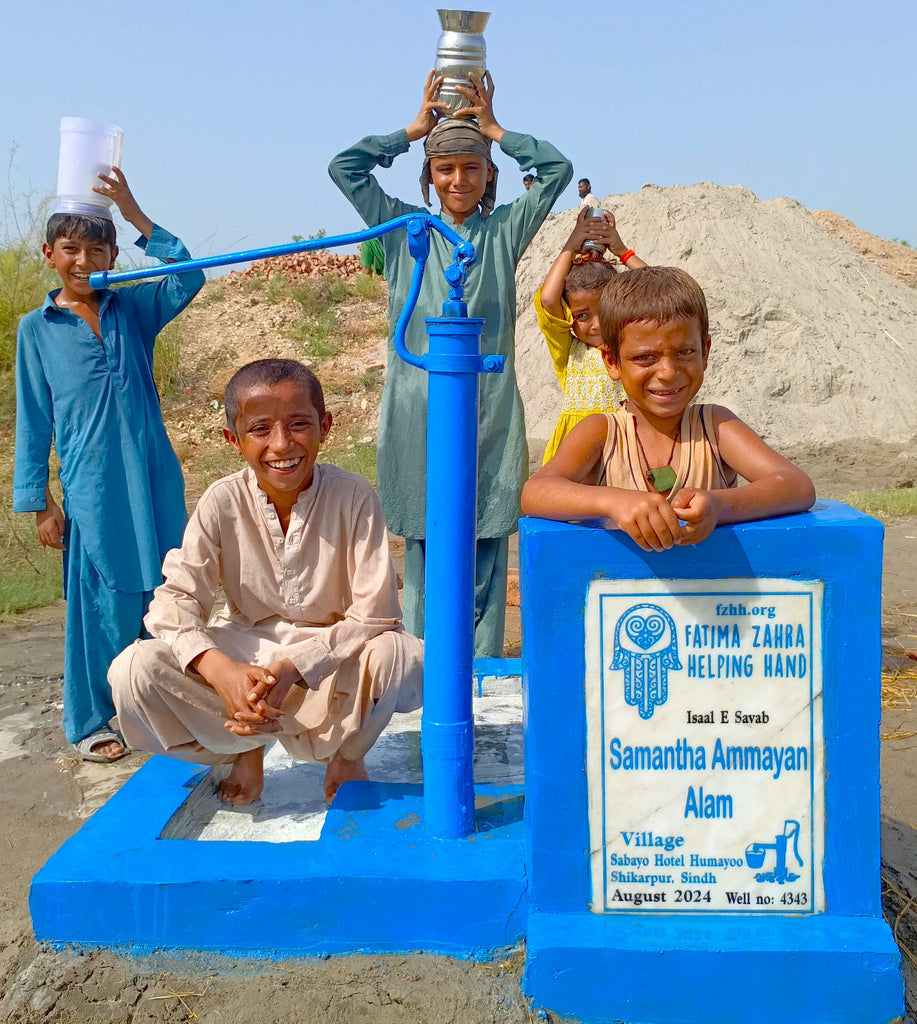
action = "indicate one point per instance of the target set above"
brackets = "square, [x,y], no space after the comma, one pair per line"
[699,462]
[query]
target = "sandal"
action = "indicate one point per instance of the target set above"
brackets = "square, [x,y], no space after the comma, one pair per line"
[84,747]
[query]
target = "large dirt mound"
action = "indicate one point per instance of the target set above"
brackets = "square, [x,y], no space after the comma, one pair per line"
[812,343]
[894,258]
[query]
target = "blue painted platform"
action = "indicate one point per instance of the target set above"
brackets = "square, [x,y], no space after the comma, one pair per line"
[373,883]
[714,969]
[165,865]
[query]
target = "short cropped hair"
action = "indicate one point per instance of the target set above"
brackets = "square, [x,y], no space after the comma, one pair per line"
[585,181]
[77,225]
[649,295]
[590,276]
[528,177]
[268,372]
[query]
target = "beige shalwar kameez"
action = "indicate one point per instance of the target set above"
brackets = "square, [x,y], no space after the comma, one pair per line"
[324,596]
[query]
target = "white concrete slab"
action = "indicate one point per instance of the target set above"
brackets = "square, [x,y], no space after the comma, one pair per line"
[292,806]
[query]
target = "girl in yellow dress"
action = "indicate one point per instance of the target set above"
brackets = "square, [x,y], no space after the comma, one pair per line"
[567,307]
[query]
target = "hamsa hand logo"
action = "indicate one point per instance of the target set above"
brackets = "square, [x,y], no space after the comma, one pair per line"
[646,648]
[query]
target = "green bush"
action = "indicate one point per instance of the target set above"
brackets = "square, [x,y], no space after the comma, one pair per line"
[368,286]
[24,281]
[317,295]
[357,458]
[167,369]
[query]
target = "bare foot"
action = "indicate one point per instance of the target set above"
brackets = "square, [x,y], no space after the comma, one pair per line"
[246,780]
[104,746]
[111,750]
[339,771]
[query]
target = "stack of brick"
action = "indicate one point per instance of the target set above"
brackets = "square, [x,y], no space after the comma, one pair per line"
[298,265]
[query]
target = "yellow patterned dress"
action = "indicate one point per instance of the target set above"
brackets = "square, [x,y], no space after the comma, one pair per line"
[584,381]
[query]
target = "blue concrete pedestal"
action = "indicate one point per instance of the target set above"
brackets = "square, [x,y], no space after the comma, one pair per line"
[649,671]
[711,970]
[373,882]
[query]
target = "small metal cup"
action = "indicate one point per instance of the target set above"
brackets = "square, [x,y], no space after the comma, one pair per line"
[461,49]
[594,212]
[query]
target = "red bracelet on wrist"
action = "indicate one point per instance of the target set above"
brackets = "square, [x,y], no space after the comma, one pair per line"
[626,255]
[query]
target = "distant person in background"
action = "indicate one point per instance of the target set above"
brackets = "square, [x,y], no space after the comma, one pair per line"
[372,257]
[527,181]
[584,188]
[84,381]
[458,165]
[567,308]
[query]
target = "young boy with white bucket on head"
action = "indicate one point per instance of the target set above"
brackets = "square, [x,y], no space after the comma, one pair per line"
[84,381]
[458,164]
[661,468]
[310,649]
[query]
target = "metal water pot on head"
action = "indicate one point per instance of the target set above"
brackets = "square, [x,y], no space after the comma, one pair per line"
[598,214]
[461,49]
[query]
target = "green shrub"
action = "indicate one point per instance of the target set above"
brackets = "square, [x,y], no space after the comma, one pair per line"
[167,369]
[31,576]
[24,281]
[316,324]
[210,296]
[368,286]
[317,295]
[358,458]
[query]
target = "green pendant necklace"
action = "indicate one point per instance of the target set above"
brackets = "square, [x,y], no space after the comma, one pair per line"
[662,478]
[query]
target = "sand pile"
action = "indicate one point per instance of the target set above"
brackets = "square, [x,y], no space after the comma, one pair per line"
[812,343]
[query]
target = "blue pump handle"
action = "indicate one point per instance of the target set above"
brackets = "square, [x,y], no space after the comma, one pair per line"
[418,226]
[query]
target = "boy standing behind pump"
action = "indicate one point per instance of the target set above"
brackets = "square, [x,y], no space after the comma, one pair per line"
[459,167]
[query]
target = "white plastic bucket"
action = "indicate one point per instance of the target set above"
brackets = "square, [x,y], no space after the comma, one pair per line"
[88,148]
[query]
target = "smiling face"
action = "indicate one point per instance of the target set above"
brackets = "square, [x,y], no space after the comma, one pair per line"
[75,259]
[586,323]
[278,432]
[661,368]
[460,182]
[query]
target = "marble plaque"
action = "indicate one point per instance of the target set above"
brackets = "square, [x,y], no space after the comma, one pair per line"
[705,756]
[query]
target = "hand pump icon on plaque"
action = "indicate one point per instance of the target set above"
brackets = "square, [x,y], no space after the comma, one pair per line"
[755,853]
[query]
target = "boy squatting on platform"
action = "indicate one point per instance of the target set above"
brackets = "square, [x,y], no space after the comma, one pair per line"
[311,648]
[457,163]
[84,378]
[661,459]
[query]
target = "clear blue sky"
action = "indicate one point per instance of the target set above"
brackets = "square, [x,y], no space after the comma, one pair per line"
[232,109]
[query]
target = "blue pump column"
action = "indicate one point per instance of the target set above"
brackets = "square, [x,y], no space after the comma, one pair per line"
[447,733]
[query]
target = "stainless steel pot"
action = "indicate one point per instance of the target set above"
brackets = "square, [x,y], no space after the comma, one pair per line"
[461,49]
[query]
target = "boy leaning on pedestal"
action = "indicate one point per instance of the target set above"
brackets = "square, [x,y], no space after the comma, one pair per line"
[662,469]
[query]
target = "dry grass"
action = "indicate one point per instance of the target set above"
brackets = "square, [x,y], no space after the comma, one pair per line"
[906,902]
